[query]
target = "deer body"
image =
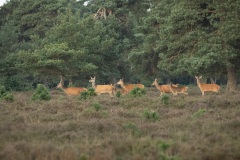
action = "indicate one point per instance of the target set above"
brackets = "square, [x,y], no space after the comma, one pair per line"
[71,90]
[121,90]
[99,89]
[175,90]
[129,87]
[206,87]
[163,88]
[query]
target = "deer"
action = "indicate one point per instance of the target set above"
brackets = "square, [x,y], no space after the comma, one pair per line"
[121,90]
[99,89]
[206,87]
[179,89]
[163,88]
[129,87]
[70,90]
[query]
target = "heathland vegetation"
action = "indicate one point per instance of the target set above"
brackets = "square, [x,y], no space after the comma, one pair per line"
[149,126]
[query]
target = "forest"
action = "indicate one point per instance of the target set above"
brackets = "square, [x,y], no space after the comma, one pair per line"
[138,40]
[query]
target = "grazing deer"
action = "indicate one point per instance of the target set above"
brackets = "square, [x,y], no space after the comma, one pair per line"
[99,89]
[163,88]
[129,87]
[70,90]
[206,87]
[180,89]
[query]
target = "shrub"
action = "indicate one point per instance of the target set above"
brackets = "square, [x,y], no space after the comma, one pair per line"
[199,113]
[138,92]
[4,94]
[163,154]
[151,115]
[133,128]
[97,106]
[165,99]
[89,93]
[118,94]
[8,97]
[41,93]
[2,91]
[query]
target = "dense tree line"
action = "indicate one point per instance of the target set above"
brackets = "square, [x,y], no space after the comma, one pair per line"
[138,40]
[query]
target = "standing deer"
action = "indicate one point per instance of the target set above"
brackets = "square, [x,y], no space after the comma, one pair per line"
[163,88]
[70,90]
[99,89]
[206,87]
[129,87]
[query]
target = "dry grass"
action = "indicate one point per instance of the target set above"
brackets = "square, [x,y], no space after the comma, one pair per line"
[66,128]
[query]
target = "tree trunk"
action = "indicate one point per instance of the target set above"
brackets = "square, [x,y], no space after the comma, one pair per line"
[232,80]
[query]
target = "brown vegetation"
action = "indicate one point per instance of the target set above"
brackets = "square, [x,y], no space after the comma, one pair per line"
[101,127]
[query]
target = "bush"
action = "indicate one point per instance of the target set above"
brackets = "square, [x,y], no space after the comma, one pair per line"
[2,91]
[118,94]
[89,93]
[134,129]
[163,154]
[151,115]
[138,92]
[8,97]
[41,93]
[4,94]
[199,113]
[97,106]
[165,99]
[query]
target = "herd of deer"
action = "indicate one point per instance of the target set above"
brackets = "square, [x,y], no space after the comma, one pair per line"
[126,88]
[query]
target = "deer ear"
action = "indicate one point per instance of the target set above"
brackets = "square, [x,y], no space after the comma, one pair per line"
[200,77]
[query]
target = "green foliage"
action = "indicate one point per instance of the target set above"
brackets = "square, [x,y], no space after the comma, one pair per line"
[165,99]
[8,97]
[199,113]
[150,115]
[97,106]
[140,40]
[163,147]
[84,156]
[118,94]
[5,95]
[2,90]
[138,92]
[87,94]
[41,93]
[133,128]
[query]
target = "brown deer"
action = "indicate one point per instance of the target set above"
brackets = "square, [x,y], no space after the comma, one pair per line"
[99,89]
[206,87]
[70,90]
[180,89]
[129,87]
[163,88]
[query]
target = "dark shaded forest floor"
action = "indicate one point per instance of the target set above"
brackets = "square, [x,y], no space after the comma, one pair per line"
[102,128]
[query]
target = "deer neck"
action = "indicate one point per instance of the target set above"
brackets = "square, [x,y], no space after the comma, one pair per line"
[123,86]
[93,84]
[156,84]
[199,83]
[62,87]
